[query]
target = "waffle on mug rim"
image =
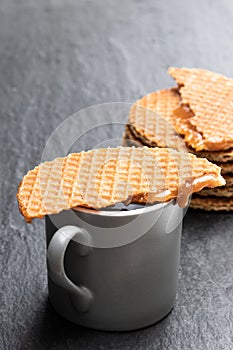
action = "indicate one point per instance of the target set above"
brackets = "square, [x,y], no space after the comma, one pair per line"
[162,174]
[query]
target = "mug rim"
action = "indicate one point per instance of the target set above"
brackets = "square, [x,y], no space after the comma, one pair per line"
[146,209]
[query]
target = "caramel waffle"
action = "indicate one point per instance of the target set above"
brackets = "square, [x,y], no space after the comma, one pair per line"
[103,177]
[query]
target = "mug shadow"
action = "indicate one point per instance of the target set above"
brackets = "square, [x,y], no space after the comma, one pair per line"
[51,331]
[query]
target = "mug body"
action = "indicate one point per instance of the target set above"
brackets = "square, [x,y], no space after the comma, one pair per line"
[131,279]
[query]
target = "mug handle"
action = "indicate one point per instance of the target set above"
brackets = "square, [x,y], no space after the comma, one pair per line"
[55,260]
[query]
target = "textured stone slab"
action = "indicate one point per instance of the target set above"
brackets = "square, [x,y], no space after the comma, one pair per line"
[57,57]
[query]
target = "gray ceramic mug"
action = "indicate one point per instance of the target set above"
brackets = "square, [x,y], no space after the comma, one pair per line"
[114,270]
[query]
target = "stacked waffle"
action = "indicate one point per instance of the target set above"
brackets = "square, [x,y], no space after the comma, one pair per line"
[198,116]
[103,177]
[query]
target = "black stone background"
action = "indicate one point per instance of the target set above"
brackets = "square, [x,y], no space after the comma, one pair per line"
[57,57]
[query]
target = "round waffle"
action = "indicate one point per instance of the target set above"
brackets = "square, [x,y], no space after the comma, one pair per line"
[143,130]
[212,203]
[151,119]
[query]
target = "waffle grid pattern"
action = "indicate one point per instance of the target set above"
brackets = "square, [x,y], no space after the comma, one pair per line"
[212,203]
[210,96]
[217,192]
[226,170]
[152,119]
[104,177]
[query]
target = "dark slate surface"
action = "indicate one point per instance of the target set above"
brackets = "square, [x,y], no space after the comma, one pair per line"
[57,57]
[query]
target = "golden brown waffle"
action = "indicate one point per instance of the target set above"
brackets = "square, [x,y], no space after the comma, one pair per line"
[217,156]
[103,177]
[130,134]
[151,119]
[226,168]
[129,139]
[217,192]
[212,203]
[223,191]
[186,75]
[162,102]
[229,182]
[206,115]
